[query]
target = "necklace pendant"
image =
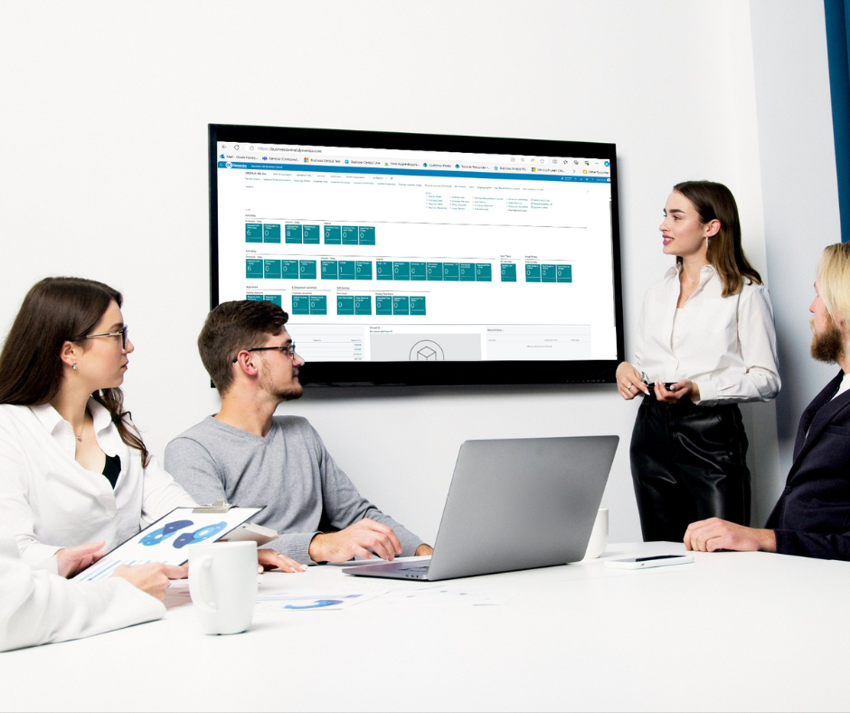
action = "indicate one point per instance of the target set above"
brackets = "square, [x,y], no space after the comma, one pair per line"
[80,437]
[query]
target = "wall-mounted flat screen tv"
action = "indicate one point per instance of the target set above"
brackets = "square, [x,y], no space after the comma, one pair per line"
[421,258]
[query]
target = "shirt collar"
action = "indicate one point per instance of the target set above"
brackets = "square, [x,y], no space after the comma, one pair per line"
[48,416]
[677,268]
[844,385]
[52,420]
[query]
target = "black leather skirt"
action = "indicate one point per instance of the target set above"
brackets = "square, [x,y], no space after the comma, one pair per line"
[688,463]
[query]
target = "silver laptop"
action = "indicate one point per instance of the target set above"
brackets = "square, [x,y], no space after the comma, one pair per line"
[513,504]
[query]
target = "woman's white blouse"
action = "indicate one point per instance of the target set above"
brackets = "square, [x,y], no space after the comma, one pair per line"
[726,345]
[37,607]
[49,501]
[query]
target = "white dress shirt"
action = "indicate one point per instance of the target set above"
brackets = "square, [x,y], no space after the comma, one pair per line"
[845,385]
[725,345]
[38,607]
[49,501]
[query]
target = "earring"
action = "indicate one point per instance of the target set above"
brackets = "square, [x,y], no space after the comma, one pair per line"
[74,366]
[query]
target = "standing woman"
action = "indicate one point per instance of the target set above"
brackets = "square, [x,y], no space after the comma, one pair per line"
[706,342]
[75,474]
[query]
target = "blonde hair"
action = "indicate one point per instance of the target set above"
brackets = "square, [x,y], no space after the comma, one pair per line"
[833,280]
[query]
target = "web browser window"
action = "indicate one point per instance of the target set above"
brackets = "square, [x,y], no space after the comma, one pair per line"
[384,255]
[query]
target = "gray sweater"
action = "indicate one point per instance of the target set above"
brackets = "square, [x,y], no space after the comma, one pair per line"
[290,471]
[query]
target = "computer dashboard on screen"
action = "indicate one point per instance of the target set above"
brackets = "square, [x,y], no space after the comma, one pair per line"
[423,258]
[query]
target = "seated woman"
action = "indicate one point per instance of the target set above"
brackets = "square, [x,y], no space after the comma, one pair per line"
[37,607]
[73,467]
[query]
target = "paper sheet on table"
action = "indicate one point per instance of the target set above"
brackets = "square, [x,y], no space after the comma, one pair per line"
[311,601]
[442,596]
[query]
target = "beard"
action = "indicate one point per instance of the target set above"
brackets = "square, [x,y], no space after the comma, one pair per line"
[290,393]
[828,345]
[293,390]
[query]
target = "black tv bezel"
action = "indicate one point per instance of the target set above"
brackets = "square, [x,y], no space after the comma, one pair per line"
[447,373]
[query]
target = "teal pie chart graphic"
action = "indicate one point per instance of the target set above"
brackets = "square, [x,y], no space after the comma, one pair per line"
[318,604]
[164,532]
[204,533]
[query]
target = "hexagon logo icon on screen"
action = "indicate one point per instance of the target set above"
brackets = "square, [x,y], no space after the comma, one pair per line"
[426,350]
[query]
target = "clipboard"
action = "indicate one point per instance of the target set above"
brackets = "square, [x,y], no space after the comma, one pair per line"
[168,539]
[246,531]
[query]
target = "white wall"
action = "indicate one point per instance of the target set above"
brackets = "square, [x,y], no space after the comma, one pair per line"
[797,159]
[103,173]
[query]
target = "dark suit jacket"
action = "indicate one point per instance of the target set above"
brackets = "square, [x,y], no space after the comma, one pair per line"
[812,516]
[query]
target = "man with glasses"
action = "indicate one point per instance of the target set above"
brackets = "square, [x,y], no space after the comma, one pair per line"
[249,456]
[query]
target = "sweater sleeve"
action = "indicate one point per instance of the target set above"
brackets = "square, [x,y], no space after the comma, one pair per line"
[162,493]
[37,607]
[195,469]
[344,505]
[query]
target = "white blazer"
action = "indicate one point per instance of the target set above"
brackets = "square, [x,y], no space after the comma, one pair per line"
[37,607]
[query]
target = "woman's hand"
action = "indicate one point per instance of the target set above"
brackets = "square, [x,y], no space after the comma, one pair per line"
[153,578]
[678,391]
[75,559]
[629,382]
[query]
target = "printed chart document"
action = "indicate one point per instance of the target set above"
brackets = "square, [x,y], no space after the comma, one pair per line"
[168,538]
[312,601]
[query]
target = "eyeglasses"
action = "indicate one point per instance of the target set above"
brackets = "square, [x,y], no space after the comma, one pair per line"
[283,349]
[122,334]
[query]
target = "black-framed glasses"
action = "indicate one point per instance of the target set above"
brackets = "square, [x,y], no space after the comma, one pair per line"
[283,349]
[122,334]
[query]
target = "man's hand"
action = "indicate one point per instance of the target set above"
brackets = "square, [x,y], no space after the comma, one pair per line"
[269,559]
[424,550]
[75,559]
[678,391]
[152,578]
[716,534]
[358,540]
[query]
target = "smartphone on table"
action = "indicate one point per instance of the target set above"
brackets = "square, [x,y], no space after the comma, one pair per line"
[648,561]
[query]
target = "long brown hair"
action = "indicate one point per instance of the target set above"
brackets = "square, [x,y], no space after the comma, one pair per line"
[714,201]
[58,310]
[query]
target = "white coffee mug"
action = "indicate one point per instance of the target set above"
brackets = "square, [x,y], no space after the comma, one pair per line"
[598,536]
[223,585]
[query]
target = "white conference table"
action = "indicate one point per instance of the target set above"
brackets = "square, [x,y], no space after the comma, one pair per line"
[733,631]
